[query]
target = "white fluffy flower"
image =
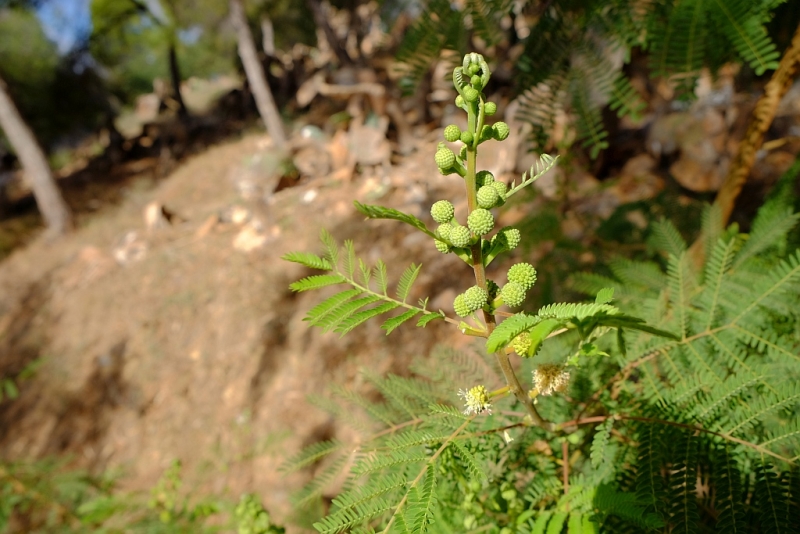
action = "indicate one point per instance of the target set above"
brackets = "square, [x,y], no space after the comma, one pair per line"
[476,400]
[549,377]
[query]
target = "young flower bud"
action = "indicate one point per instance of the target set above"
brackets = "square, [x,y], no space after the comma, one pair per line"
[475,81]
[487,197]
[444,158]
[444,230]
[467,137]
[500,131]
[511,236]
[441,246]
[522,273]
[442,211]
[460,307]
[513,294]
[501,189]
[480,221]
[452,133]
[475,298]
[459,236]
[487,133]
[463,153]
[470,94]
[460,101]
[489,109]
[474,69]
[521,344]
[483,178]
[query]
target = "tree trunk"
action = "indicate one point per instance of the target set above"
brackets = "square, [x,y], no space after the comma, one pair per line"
[175,76]
[255,75]
[34,163]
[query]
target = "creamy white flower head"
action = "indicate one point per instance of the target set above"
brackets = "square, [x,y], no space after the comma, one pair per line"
[476,400]
[549,378]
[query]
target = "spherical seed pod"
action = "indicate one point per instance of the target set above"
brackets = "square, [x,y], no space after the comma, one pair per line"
[460,101]
[475,298]
[522,273]
[460,307]
[444,158]
[521,344]
[487,197]
[501,189]
[513,294]
[467,137]
[452,133]
[442,211]
[500,131]
[459,236]
[480,221]
[441,246]
[489,109]
[475,81]
[483,178]
[444,230]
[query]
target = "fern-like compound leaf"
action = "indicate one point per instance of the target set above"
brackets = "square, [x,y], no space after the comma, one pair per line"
[407,279]
[380,212]
[471,461]
[322,309]
[309,260]
[428,317]
[380,275]
[310,455]
[600,442]
[509,329]
[359,318]
[422,506]
[391,324]
[668,239]
[317,281]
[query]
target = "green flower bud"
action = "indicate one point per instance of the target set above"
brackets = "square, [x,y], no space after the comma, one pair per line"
[487,197]
[447,172]
[501,189]
[460,307]
[441,246]
[476,82]
[489,109]
[445,158]
[444,230]
[522,273]
[513,294]
[474,69]
[470,94]
[467,137]
[521,344]
[500,131]
[475,298]
[487,133]
[452,133]
[442,211]
[480,221]
[509,236]
[483,177]
[463,153]
[459,236]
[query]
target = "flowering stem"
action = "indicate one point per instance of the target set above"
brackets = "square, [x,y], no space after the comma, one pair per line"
[480,278]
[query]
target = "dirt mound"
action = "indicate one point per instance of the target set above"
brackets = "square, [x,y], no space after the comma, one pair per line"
[182,341]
